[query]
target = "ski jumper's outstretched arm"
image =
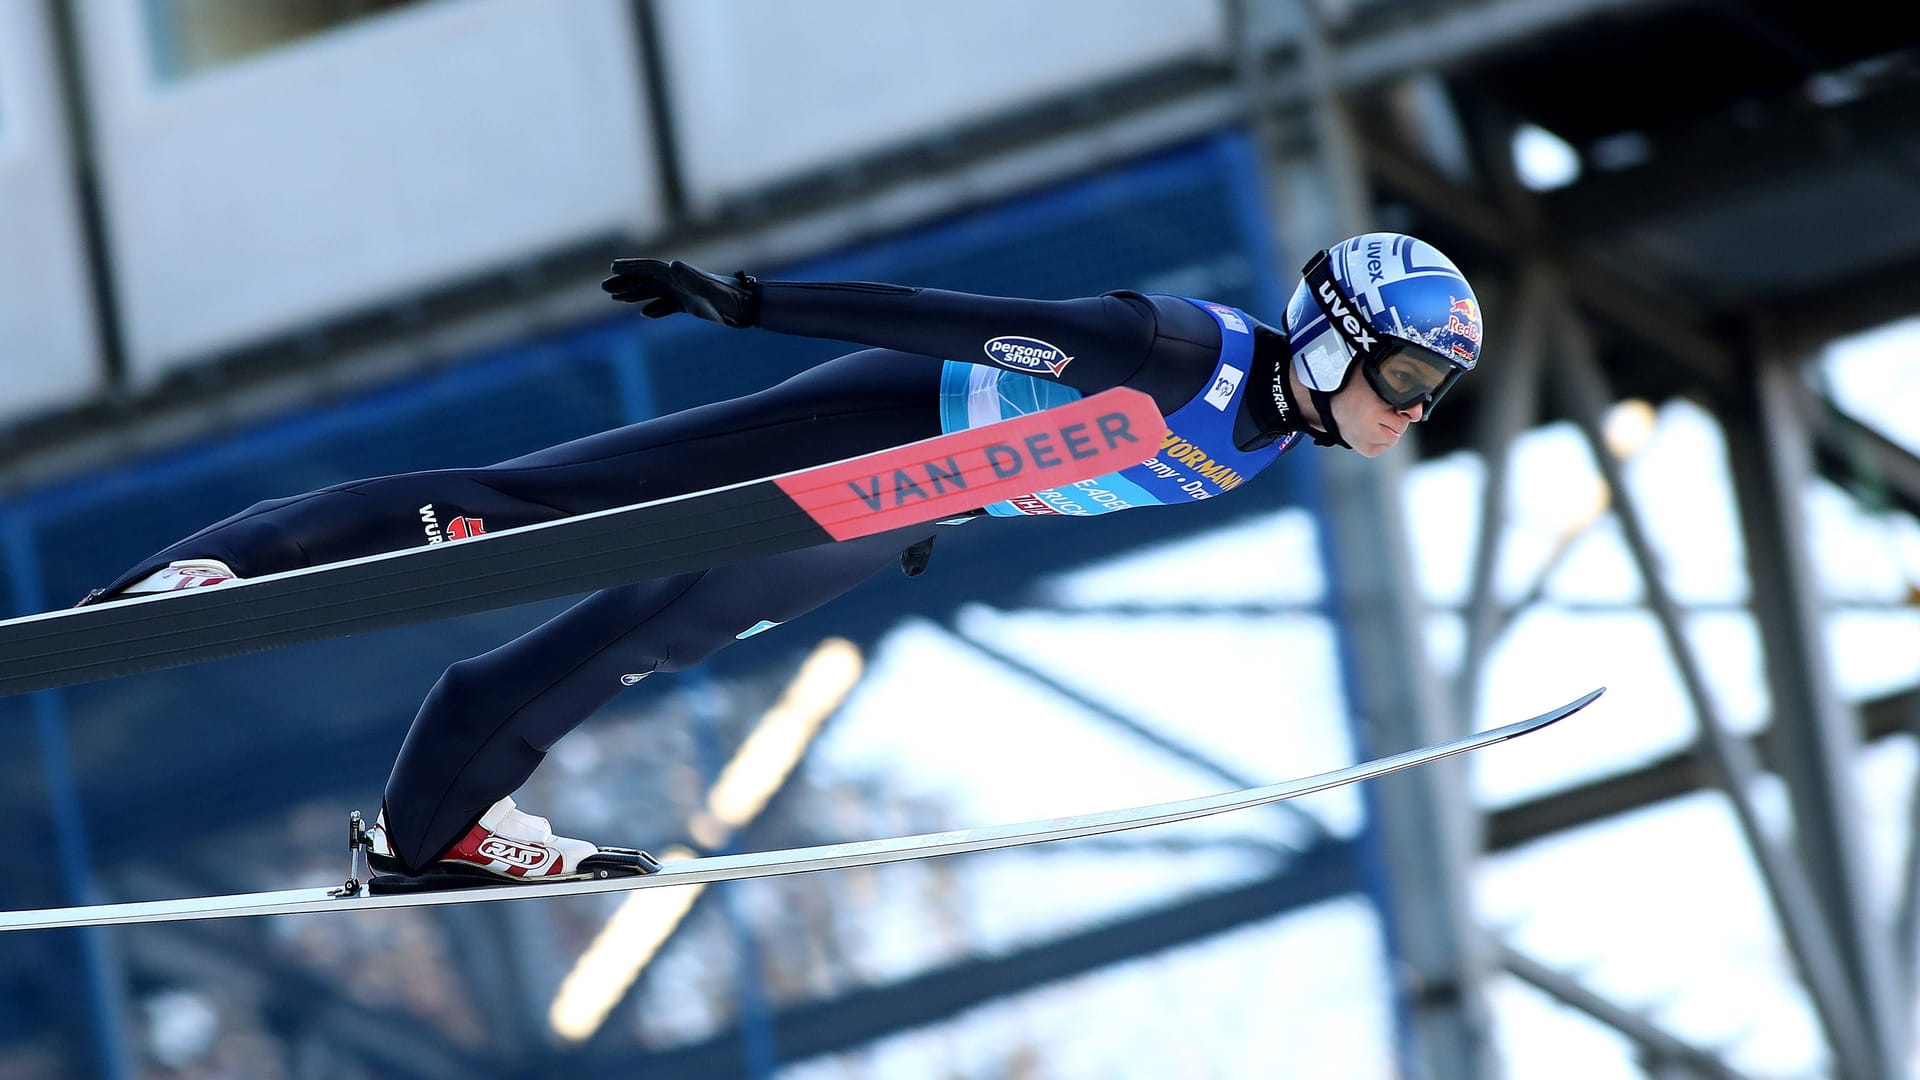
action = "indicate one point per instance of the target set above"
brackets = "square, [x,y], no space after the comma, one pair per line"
[1095,343]
[1158,344]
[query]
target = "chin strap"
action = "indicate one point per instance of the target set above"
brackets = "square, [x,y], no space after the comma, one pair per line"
[1323,404]
[1279,411]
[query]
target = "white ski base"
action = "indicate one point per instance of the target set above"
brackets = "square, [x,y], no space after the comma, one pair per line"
[791,861]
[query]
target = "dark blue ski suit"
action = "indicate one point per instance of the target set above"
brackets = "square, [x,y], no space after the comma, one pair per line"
[935,360]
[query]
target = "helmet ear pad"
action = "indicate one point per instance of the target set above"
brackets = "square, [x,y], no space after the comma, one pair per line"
[1353,368]
[1312,371]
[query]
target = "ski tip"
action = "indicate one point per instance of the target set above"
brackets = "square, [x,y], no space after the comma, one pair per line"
[1546,719]
[1571,707]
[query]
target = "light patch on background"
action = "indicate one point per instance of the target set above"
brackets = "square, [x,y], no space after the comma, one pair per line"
[1010,901]
[1681,484]
[1006,750]
[1555,493]
[1903,539]
[1629,427]
[990,746]
[1297,995]
[1887,771]
[1246,692]
[599,979]
[1661,909]
[1874,653]
[1559,1041]
[1544,161]
[1858,556]
[1268,559]
[1597,569]
[1875,376]
[1552,656]
[1441,501]
[1447,647]
[1553,496]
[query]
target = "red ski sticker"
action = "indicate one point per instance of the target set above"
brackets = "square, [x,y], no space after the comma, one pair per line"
[937,478]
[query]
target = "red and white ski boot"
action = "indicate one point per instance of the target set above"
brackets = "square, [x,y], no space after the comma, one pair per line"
[185,574]
[505,847]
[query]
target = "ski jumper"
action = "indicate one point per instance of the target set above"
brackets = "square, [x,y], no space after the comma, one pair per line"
[937,361]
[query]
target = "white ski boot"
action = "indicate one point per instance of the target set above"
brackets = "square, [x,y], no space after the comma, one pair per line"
[185,574]
[507,846]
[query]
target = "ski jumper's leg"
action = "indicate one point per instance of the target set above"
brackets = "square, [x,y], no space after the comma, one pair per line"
[865,401]
[491,719]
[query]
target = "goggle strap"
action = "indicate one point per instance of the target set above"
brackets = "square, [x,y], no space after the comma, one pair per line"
[1326,291]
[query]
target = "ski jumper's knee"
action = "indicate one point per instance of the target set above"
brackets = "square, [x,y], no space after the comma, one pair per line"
[465,702]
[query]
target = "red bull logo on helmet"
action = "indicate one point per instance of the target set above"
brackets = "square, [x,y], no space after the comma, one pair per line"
[1463,321]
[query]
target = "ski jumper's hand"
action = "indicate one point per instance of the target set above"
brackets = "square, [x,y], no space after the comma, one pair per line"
[668,288]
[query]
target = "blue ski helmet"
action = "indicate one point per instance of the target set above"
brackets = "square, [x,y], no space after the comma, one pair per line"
[1393,303]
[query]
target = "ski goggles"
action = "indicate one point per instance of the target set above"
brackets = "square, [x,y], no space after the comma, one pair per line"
[1401,373]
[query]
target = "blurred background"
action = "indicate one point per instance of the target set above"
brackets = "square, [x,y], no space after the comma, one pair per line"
[250,248]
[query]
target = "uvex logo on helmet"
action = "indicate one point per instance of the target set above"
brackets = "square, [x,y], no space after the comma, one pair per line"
[1357,332]
[1376,261]
[1031,355]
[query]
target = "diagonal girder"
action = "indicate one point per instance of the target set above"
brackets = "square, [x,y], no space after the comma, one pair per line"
[862,1016]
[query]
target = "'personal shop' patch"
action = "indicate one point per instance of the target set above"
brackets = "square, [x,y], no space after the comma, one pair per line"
[1030,356]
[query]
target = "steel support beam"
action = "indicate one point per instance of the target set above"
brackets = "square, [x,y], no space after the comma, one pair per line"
[1906,932]
[510,965]
[96,1023]
[1669,777]
[1815,734]
[1511,410]
[859,1017]
[1848,451]
[1675,330]
[1425,823]
[1664,1054]
[1584,392]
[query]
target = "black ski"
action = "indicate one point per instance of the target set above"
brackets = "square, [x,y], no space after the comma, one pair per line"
[921,482]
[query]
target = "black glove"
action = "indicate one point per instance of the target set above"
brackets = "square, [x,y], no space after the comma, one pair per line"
[665,288]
